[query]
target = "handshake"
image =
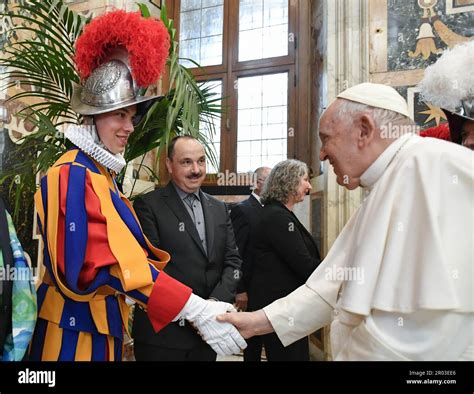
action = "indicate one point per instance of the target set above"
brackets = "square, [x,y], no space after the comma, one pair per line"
[222,337]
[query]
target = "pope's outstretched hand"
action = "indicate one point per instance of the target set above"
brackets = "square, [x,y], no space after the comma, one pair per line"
[249,324]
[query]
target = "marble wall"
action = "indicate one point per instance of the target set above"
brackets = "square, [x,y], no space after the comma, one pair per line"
[339,60]
[406,37]
[405,21]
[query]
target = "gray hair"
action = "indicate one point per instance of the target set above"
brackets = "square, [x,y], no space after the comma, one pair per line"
[348,109]
[283,181]
[259,171]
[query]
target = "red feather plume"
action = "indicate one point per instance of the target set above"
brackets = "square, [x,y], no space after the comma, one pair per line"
[441,132]
[146,40]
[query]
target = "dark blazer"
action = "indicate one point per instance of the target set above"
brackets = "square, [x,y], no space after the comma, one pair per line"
[245,217]
[211,274]
[285,256]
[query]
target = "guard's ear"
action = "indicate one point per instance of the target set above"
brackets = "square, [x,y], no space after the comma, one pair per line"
[367,129]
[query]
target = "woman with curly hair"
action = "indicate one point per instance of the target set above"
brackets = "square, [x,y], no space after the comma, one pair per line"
[286,253]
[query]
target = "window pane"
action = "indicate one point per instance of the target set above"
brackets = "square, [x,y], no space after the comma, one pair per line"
[262,121]
[189,49]
[213,132]
[211,3]
[189,27]
[250,15]
[263,29]
[201,32]
[187,5]
[253,92]
[211,50]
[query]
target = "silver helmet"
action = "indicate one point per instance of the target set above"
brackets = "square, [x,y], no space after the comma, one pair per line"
[109,87]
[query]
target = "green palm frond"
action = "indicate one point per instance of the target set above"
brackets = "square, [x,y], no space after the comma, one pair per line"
[42,66]
[189,103]
[43,63]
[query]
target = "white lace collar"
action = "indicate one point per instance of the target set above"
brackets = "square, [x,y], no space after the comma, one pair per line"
[86,139]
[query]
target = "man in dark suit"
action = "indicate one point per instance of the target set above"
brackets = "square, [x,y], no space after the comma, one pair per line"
[196,230]
[245,217]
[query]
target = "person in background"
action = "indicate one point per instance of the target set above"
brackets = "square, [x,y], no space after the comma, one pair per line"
[448,84]
[17,293]
[245,217]
[195,228]
[285,252]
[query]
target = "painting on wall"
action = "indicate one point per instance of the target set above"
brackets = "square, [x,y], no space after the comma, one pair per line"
[456,6]
[424,114]
[157,3]
[419,31]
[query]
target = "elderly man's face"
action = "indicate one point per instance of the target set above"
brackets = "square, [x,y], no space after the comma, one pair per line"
[341,145]
[262,177]
[468,134]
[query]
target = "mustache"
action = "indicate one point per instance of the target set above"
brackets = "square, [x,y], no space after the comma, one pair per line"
[195,175]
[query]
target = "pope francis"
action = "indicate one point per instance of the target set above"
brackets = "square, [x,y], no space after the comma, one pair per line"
[398,282]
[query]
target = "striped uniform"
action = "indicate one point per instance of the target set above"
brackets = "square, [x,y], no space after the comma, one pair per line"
[95,253]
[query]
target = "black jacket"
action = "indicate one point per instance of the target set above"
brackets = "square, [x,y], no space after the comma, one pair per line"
[168,225]
[285,256]
[245,217]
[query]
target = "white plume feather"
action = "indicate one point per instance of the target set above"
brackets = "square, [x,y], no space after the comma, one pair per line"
[451,79]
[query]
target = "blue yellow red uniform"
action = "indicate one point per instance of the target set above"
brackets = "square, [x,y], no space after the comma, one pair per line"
[95,254]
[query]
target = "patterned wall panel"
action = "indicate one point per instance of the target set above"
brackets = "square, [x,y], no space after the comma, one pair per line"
[408,36]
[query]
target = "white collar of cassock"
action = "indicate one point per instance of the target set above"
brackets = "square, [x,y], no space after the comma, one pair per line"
[378,167]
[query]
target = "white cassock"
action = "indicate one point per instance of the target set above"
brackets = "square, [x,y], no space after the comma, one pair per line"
[398,282]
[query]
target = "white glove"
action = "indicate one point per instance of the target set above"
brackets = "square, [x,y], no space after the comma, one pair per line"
[223,338]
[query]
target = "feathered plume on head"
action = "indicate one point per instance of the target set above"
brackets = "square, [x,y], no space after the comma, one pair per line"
[146,40]
[451,79]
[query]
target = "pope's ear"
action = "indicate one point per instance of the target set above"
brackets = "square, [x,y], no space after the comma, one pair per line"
[367,128]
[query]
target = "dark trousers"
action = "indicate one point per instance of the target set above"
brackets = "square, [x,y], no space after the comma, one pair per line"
[275,351]
[253,351]
[146,352]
